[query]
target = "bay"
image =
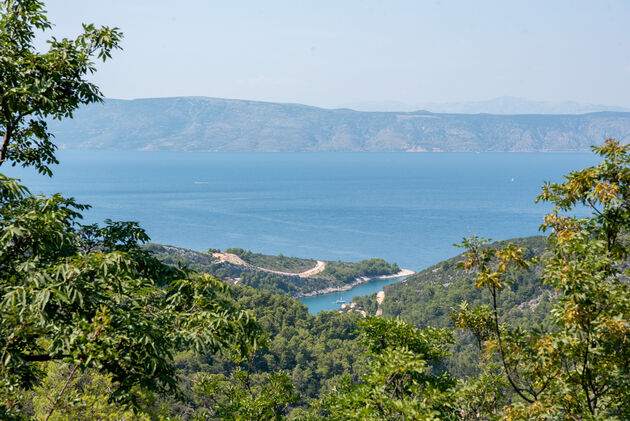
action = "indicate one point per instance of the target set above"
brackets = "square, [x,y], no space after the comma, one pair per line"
[334,300]
[407,208]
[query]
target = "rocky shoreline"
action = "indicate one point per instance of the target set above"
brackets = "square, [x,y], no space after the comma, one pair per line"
[357,281]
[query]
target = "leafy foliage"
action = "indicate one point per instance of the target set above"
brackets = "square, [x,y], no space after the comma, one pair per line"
[348,272]
[430,297]
[103,309]
[86,397]
[578,370]
[400,383]
[92,322]
[311,352]
[241,397]
[36,85]
[87,296]
[443,287]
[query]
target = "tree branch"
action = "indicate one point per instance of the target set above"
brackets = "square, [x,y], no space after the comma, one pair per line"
[11,339]
[63,389]
[5,143]
[517,389]
[41,357]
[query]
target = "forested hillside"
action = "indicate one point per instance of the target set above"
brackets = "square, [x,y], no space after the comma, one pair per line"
[215,124]
[432,297]
[429,297]
[315,351]
[275,274]
[93,325]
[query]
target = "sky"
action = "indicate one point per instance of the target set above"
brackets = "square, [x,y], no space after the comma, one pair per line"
[339,53]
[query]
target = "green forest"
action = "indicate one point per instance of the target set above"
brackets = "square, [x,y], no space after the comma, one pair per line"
[97,325]
[280,263]
[285,281]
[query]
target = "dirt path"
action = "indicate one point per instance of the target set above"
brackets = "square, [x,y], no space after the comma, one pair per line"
[380,296]
[319,267]
[231,258]
[235,260]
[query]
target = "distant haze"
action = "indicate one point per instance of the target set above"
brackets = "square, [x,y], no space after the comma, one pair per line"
[502,105]
[443,55]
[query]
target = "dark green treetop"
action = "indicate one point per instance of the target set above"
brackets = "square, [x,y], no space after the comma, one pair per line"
[87,296]
[37,85]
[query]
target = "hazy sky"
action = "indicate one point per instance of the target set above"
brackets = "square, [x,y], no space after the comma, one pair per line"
[331,53]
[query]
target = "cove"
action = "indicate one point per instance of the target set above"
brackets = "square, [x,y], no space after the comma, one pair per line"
[324,302]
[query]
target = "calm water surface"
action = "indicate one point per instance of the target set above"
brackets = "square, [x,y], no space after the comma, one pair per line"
[330,301]
[406,208]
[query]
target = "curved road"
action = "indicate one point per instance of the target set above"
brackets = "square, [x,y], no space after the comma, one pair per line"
[235,260]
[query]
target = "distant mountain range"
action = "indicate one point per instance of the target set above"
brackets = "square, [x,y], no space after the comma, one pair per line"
[500,105]
[215,124]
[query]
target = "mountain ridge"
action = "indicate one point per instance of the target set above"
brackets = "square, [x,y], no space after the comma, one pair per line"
[203,124]
[499,105]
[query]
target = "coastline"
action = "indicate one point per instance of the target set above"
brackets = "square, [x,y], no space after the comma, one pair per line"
[357,282]
[403,272]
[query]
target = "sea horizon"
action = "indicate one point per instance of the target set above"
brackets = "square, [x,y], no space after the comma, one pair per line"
[406,208]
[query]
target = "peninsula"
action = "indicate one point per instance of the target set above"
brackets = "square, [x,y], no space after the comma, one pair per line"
[280,274]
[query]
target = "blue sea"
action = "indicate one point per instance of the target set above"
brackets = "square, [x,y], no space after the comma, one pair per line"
[407,208]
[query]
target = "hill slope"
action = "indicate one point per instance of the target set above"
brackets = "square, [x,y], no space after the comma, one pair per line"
[214,124]
[276,274]
[429,297]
